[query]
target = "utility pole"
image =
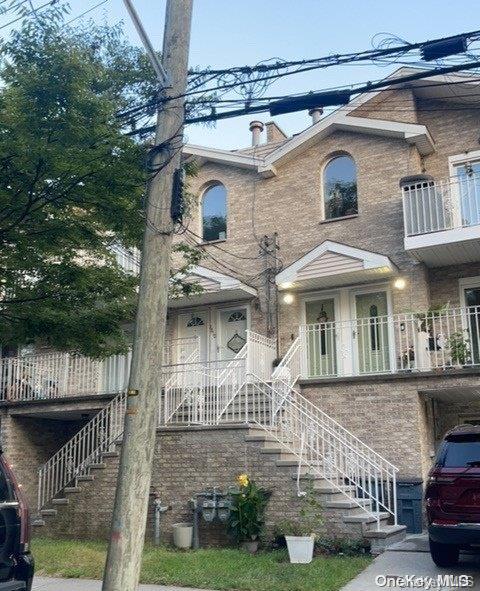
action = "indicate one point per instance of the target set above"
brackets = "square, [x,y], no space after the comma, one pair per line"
[269,248]
[127,538]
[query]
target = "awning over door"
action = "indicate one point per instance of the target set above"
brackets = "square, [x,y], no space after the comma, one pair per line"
[332,264]
[214,288]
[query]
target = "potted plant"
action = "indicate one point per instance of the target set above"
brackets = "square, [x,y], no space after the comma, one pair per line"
[300,533]
[247,513]
[459,349]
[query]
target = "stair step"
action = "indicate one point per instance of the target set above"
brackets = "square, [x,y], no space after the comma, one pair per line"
[110,454]
[329,489]
[296,461]
[386,531]
[86,478]
[99,466]
[367,519]
[38,522]
[72,489]
[348,504]
[48,512]
[60,501]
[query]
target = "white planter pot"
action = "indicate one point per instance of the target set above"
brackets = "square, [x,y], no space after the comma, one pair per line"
[300,549]
[182,535]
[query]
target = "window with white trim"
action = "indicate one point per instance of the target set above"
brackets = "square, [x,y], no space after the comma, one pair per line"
[340,187]
[214,213]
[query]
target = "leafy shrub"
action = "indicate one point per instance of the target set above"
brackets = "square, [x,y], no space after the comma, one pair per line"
[246,520]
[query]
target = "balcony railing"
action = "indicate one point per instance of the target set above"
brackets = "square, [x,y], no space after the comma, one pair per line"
[60,374]
[412,342]
[435,206]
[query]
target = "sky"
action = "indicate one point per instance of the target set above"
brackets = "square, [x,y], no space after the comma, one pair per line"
[244,32]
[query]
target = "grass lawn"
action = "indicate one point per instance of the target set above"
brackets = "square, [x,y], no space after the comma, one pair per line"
[210,568]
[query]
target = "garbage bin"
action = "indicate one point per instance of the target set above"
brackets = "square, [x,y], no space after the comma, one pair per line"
[182,535]
[409,503]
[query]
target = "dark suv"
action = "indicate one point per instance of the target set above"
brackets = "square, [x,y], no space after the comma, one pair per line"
[453,495]
[16,562]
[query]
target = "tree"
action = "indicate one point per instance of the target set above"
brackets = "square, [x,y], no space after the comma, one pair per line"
[71,182]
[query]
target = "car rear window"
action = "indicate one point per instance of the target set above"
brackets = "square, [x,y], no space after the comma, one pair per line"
[459,454]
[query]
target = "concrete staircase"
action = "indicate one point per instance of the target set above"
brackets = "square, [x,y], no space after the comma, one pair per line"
[344,512]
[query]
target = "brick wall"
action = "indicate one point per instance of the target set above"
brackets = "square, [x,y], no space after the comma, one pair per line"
[187,461]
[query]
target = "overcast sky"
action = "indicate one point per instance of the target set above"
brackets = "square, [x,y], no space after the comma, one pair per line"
[227,32]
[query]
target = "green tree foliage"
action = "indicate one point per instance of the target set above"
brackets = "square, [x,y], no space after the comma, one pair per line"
[71,181]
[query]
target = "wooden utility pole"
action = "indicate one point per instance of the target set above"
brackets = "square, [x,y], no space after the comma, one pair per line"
[124,557]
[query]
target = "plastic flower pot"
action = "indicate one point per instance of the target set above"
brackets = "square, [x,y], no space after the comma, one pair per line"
[300,549]
[183,535]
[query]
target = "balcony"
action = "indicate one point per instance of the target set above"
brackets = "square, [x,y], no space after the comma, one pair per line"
[442,220]
[398,344]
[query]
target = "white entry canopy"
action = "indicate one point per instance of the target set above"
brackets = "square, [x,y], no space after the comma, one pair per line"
[332,264]
[215,287]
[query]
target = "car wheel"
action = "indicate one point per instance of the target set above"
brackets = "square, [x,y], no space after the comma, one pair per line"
[444,555]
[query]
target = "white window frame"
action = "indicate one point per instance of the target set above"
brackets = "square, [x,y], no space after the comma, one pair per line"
[467,283]
[206,187]
[322,186]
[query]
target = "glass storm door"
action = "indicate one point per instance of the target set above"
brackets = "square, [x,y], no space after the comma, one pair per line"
[233,332]
[371,332]
[320,337]
[472,301]
[194,324]
[468,175]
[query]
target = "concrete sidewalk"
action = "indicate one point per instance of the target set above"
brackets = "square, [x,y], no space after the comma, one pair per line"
[48,584]
[412,557]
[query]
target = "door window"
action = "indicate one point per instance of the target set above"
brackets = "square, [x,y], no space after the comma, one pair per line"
[233,327]
[468,176]
[321,338]
[371,335]
[472,301]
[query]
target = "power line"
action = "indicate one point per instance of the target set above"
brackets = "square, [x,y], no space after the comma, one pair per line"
[33,12]
[85,12]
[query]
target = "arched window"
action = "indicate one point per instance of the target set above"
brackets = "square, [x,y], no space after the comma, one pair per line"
[340,187]
[214,213]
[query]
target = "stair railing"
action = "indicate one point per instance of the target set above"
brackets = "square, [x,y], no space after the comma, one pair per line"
[329,450]
[84,449]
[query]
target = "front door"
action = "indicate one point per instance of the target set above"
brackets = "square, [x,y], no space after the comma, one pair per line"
[472,301]
[371,332]
[232,332]
[194,324]
[320,337]
[468,175]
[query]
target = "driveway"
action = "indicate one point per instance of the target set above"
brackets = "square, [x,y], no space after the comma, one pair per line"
[48,584]
[411,557]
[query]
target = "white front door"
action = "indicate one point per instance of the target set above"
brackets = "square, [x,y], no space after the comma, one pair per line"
[321,336]
[371,332]
[195,324]
[232,332]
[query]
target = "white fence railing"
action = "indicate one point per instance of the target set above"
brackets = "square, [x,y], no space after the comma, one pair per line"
[326,449]
[57,375]
[433,206]
[261,353]
[435,340]
[84,449]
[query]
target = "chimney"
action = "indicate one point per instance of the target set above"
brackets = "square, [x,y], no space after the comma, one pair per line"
[274,133]
[256,127]
[315,114]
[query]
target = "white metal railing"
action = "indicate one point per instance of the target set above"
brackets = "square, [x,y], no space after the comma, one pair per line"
[127,258]
[326,448]
[261,353]
[57,375]
[433,206]
[435,340]
[84,449]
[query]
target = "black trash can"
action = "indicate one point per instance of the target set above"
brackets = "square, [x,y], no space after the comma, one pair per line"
[409,503]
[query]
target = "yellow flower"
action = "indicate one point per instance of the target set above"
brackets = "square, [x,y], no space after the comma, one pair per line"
[243,480]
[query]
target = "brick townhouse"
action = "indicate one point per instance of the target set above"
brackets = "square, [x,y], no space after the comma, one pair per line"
[336,335]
